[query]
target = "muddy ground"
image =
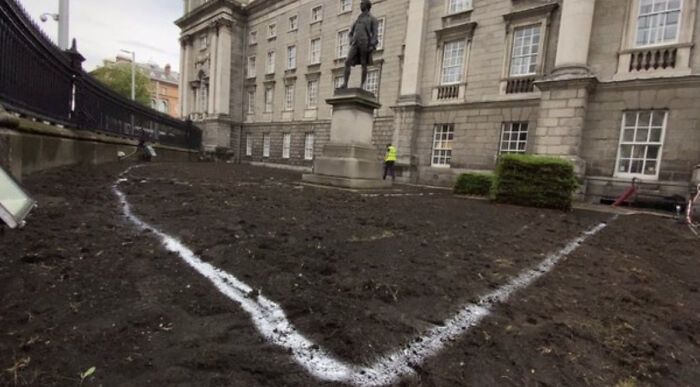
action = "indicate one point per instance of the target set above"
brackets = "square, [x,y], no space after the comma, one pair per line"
[359,274]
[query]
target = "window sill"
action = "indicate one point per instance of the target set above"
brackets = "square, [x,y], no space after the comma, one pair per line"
[316,22]
[270,38]
[252,44]
[458,14]
[345,12]
[442,167]
[294,30]
[630,176]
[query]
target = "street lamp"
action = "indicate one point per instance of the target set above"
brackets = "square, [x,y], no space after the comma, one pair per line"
[133,73]
[63,19]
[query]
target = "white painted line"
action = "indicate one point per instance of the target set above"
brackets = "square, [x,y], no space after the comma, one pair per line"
[270,320]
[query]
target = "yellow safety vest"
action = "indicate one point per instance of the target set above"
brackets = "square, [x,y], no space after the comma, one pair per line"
[390,154]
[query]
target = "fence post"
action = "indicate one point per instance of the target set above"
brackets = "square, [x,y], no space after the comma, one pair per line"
[76,64]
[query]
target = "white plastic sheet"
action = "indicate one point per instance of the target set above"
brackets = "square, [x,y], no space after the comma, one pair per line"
[15,204]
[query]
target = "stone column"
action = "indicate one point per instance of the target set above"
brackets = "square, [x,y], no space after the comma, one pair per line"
[213,69]
[185,70]
[413,52]
[408,108]
[564,101]
[222,80]
[574,37]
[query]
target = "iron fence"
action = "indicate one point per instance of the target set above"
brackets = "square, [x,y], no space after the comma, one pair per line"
[40,80]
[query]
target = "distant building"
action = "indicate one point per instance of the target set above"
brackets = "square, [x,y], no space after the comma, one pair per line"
[164,85]
[612,85]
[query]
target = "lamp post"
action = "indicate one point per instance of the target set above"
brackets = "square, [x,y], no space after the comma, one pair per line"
[133,73]
[63,19]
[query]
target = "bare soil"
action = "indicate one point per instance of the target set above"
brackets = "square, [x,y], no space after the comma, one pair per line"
[358,273]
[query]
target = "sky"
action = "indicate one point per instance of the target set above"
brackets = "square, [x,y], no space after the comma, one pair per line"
[103,27]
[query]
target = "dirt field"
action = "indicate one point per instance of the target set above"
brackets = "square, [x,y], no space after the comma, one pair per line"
[359,275]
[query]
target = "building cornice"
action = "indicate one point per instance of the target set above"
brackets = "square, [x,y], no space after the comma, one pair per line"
[647,83]
[196,14]
[257,5]
[546,9]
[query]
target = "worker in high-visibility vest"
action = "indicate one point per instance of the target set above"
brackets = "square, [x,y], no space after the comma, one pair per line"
[390,162]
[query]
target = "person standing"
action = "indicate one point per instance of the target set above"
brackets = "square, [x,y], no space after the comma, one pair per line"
[390,162]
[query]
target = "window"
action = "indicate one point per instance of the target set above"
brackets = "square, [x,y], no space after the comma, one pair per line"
[343,44]
[514,137]
[345,6]
[286,145]
[203,42]
[309,146]
[453,62]
[338,81]
[248,144]
[269,96]
[442,145]
[252,37]
[204,98]
[526,47]
[658,22]
[289,97]
[380,34]
[251,101]
[164,106]
[372,84]
[291,57]
[312,94]
[293,23]
[641,141]
[315,51]
[317,14]
[266,144]
[271,62]
[455,6]
[272,31]
[251,67]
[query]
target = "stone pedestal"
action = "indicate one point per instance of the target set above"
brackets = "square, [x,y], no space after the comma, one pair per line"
[350,160]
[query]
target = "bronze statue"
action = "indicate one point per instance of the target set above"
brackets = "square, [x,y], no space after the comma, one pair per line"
[363,41]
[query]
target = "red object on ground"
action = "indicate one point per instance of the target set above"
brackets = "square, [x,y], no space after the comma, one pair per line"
[626,195]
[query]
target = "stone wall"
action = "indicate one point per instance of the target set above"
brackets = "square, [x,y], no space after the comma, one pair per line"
[34,147]
[477,136]
[681,148]
[298,131]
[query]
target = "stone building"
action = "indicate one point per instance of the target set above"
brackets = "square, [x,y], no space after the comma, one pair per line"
[612,85]
[164,87]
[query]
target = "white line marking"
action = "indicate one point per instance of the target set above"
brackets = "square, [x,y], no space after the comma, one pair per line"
[270,320]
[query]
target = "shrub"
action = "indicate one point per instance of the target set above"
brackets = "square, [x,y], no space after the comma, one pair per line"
[477,184]
[535,181]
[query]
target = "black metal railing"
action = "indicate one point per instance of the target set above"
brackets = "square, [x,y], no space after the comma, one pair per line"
[38,79]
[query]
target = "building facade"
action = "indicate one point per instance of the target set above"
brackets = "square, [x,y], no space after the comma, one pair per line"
[612,85]
[164,84]
[165,88]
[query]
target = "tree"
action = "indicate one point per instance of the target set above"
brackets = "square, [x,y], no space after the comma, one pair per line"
[118,78]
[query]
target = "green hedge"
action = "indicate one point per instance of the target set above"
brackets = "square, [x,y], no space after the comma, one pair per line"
[477,184]
[535,181]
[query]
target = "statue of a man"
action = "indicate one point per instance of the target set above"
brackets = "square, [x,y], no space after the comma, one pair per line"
[363,41]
